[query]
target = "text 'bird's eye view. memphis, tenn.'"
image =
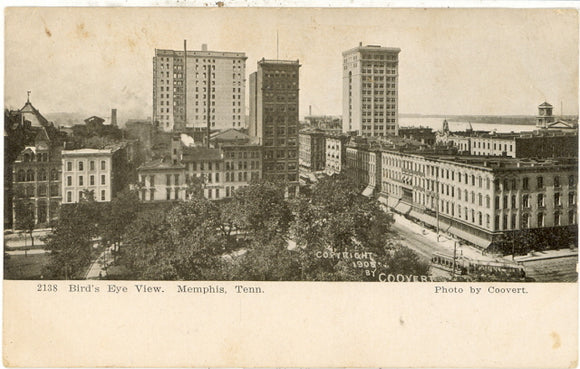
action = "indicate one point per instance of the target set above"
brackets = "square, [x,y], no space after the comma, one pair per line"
[398,147]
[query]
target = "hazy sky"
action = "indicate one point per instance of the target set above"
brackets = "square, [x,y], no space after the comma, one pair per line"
[470,61]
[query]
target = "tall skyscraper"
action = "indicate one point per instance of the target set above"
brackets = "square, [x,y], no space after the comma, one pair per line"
[370,90]
[274,118]
[207,88]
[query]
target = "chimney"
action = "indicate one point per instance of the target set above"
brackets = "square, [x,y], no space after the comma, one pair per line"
[114,117]
[203,47]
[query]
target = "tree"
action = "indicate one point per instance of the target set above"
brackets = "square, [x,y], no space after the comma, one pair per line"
[180,244]
[261,210]
[338,222]
[71,243]
[118,215]
[26,220]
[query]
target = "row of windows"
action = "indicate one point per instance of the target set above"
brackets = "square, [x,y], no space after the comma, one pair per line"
[81,165]
[36,191]
[40,157]
[103,196]
[29,175]
[80,181]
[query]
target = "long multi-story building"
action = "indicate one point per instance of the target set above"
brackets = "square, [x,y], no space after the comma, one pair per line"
[370,90]
[104,172]
[198,89]
[476,199]
[274,101]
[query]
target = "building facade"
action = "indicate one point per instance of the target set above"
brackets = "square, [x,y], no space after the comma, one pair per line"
[335,153]
[103,172]
[198,89]
[312,149]
[160,180]
[274,99]
[37,179]
[475,199]
[370,90]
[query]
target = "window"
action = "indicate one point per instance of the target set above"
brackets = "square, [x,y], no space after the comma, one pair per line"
[80,180]
[81,165]
[540,200]
[92,165]
[103,195]
[513,202]
[103,164]
[176,179]
[168,193]
[505,202]
[497,202]
[540,219]
[526,201]
[556,181]
[69,166]
[557,218]
[487,201]
[571,198]
[496,222]
[69,181]
[571,181]
[557,200]
[92,180]
[572,217]
[525,221]
[525,183]
[103,181]
[480,217]
[69,196]
[513,225]
[540,182]
[168,180]
[504,221]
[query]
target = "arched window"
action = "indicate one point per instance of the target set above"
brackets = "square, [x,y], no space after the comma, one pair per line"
[53,175]
[21,177]
[42,175]
[29,175]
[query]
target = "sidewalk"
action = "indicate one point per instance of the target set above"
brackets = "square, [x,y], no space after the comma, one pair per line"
[445,241]
[98,269]
[548,254]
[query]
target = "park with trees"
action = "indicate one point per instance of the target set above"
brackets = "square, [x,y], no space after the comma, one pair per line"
[258,234]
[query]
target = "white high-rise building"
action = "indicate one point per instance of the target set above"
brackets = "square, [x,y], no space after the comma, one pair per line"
[205,88]
[370,90]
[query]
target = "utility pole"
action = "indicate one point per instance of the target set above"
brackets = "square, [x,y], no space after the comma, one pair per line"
[437,208]
[208,101]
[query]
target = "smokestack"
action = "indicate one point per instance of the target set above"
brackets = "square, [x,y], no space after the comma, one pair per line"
[360,43]
[310,110]
[114,117]
[203,47]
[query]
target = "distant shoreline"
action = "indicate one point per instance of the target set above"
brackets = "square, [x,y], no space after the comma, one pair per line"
[488,119]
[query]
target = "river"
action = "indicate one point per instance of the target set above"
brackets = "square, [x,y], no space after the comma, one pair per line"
[437,123]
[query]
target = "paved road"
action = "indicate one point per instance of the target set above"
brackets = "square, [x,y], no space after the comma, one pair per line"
[417,242]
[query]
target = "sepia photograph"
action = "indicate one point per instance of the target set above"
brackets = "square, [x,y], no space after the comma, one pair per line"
[315,147]
[165,167]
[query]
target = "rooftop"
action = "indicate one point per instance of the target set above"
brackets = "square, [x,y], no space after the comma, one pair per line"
[201,153]
[160,164]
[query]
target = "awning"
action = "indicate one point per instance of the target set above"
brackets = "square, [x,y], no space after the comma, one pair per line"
[403,208]
[476,240]
[368,191]
[392,202]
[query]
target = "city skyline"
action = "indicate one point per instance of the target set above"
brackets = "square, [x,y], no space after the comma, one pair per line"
[459,61]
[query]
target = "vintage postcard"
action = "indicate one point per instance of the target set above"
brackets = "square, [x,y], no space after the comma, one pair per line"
[283,187]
